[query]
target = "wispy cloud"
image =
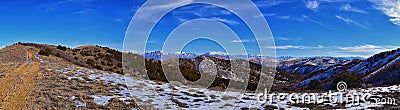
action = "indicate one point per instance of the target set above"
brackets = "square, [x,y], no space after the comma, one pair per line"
[240,41]
[316,22]
[288,17]
[155,8]
[367,48]
[169,4]
[350,21]
[151,41]
[284,47]
[207,11]
[282,38]
[391,8]
[232,22]
[271,3]
[349,8]
[201,11]
[119,20]
[61,5]
[303,18]
[312,5]
[84,11]
[265,15]
[283,17]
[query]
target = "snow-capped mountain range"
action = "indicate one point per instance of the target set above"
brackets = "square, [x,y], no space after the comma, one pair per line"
[160,55]
[156,55]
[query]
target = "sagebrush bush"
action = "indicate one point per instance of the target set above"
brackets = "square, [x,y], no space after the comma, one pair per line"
[63,48]
[46,52]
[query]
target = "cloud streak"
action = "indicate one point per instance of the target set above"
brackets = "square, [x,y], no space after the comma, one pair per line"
[391,8]
[285,47]
[169,5]
[232,22]
[147,13]
[312,5]
[349,8]
[282,38]
[350,21]
[272,3]
[240,41]
[367,48]
[61,5]
[316,22]
[84,11]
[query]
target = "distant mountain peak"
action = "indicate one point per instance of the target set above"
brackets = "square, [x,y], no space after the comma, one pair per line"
[216,53]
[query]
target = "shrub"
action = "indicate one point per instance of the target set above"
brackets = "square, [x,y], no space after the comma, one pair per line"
[76,50]
[221,82]
[46,52]
[154,71]
[63,48]
[86,53]
[58,55]
[76,58]
[314,84]
[109,69]
[189,74]
[100,55]
[119,72]
[90,62]
[352,80]
[98,67]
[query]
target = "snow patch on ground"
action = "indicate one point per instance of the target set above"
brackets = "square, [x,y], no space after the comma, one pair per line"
[80,104]
[167,96]
[101,100]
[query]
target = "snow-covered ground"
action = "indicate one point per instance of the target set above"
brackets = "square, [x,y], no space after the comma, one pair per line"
[149,94]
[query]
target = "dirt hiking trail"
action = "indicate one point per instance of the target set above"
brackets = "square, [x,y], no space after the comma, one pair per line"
[17,86]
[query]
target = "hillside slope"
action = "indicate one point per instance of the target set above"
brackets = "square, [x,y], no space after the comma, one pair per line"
[97,57]
[379,69]
[51,82]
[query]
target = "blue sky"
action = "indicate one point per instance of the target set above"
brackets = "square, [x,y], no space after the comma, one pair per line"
[67,22]
[299,27]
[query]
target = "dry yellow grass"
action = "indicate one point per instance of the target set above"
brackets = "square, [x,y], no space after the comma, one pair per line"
[17,85]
